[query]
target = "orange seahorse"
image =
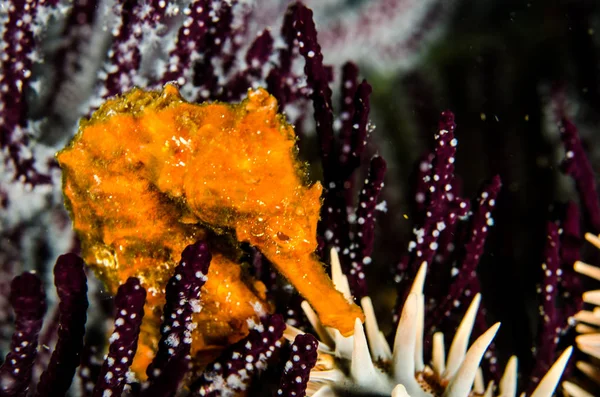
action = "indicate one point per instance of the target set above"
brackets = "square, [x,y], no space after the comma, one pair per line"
[149,174]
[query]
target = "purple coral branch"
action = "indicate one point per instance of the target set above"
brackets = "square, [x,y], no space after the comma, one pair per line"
[296,372]
[570,244]
[15,67]
[348,91]
[421,188]
[560,291]
[190,40]
[260,51]
[367,204]
[571,238]
[436,194]
[233,370]
[281,81]
[443,207]
[129,308]
[204,71]
[257,55]
[577,165]
[71,285]
[348,101]
[465,276]
[443,203]
[346,158]
[354,144]
[125,55]
[318,79]
[361,249]
[182,300]
[548,333]
[340,228]
[28,300]
[16,64]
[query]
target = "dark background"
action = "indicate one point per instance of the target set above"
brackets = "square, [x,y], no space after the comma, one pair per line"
[498,66]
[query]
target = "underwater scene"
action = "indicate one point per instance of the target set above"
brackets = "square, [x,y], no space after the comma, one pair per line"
[321,198]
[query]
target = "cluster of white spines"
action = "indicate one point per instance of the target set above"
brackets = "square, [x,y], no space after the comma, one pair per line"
[588,327]
[459,371]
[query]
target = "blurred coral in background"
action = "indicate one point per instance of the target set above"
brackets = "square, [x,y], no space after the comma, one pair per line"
[433,241]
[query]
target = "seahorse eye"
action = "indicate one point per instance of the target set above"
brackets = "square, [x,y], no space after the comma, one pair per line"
[282,236]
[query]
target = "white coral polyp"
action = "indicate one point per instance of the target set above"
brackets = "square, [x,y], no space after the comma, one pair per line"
[350,363]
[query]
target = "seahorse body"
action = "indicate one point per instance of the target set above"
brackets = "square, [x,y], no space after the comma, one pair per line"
[149,174]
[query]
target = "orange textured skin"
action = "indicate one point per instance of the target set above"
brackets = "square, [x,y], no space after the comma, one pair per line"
[149,174]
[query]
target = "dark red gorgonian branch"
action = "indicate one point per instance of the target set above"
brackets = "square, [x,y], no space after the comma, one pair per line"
[347,102]
[353,144]
[219,30]
[422,182]
[282,82]
[577,165]
[182,301]
[345,158]
[189,43]
[71,286]
[571,241]
[318,79]
[16,64]
[125,55]
[549,325]
[28,300]
[361,247]
[233,370]
[465,275]
[129,311]
[256,57]
[349,99]
[442,206]
[303,357]
[443,200]
[560,292]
